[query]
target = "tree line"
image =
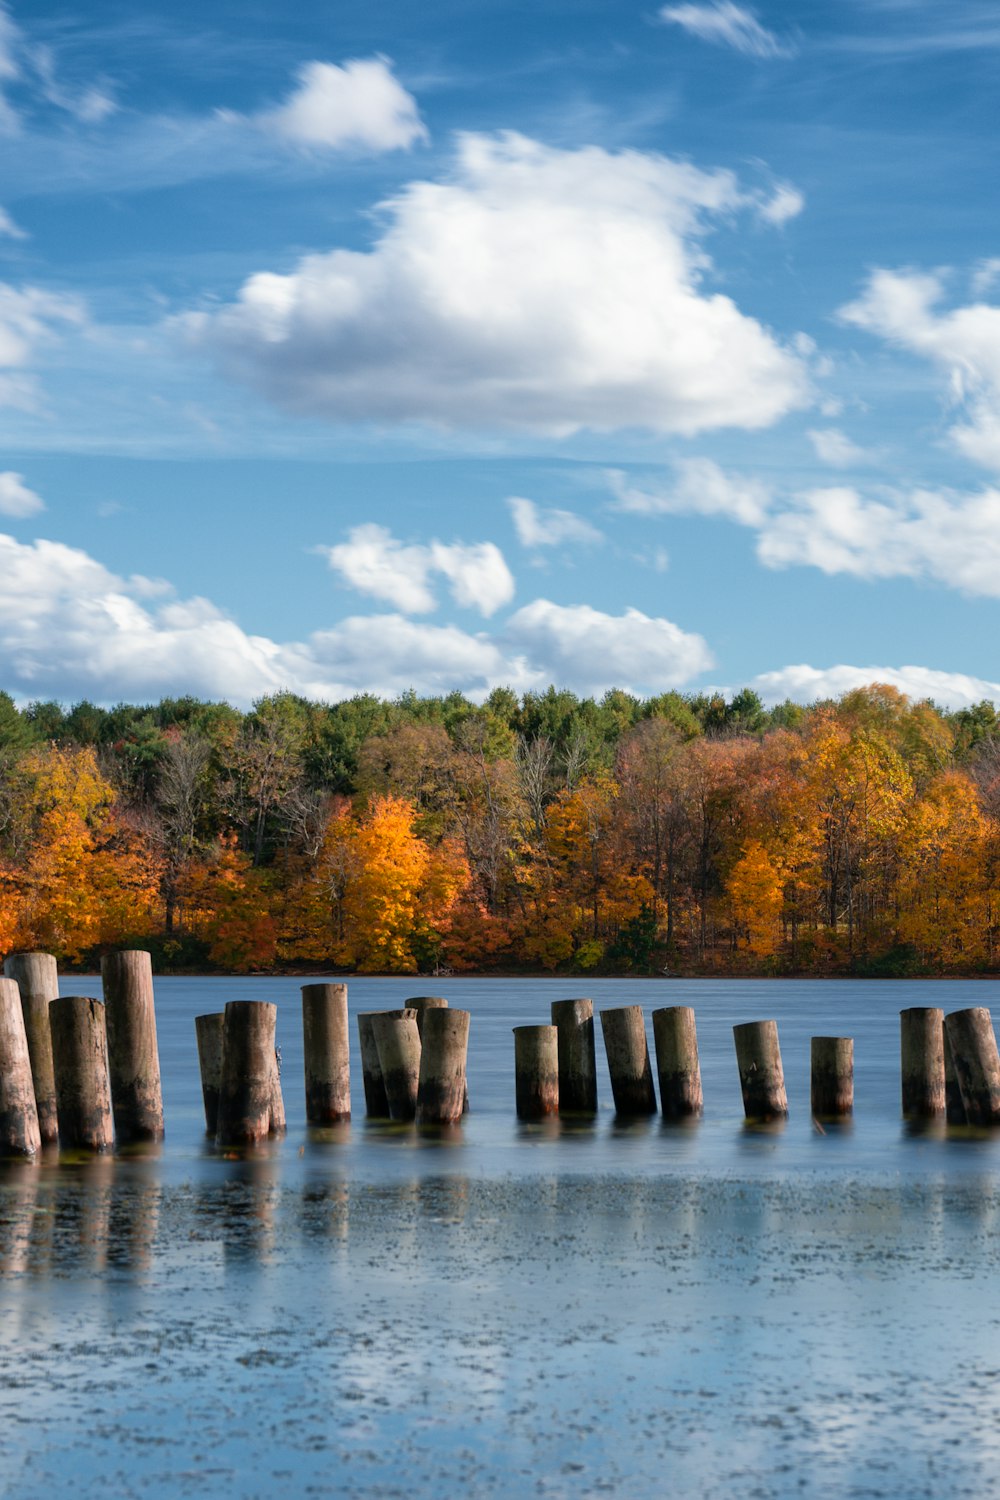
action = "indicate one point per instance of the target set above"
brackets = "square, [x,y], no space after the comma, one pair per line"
[680,833]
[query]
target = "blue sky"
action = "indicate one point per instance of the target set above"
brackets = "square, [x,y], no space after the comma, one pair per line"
[384,346]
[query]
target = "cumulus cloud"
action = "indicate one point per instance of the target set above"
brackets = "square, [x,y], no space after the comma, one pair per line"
[535,289]
[697,486]
[15,497]
[904,307]
[374,562]
[951,538]
[835,448]
[29,317]
[70,627]
[805,684]
[581,646]
[358,106]
[727,25]
[545,526]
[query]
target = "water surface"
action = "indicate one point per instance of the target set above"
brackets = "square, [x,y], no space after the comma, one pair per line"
[604,1309]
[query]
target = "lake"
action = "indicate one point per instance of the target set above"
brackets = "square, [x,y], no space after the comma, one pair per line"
[621,1309]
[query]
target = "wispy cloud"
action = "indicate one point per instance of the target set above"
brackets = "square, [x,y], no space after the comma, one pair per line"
[544,526]
[727,25]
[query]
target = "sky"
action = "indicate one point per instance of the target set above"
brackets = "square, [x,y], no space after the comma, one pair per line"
[373,346]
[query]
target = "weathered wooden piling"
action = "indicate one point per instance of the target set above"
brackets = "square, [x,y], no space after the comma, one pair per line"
[38,980]
[675,1038]
[954,1109]
[831,1077]
[326,1046]
[80,1065]
[209,1032]
[921,1050]
[762,1078]
[422,1004]
[443,1052]
[133,1057]
[536,1071]
[250,1103]
[19,1132]
[398,1043]
[376,1103]
[574,1023]
[628,1060]
[977,1063]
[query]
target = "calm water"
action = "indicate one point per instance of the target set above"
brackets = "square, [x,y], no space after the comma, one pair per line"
[625,1310]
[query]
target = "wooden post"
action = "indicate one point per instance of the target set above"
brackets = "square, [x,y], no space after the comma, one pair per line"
[19,1133]
[422,1004]
[443,1051]
[376,1103]
[921,1039]
[133,1058]
[977,1063]
[954,1109]
[250,1104]
[536,1071]
[38,981]
[398,1043]
[574,1023]
[327,1052]
[762,1079]
[209,1031]
[832,1077]
[628,1060]
[80,1063]
[677,1067]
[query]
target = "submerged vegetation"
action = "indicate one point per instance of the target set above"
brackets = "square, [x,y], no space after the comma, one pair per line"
[685,833]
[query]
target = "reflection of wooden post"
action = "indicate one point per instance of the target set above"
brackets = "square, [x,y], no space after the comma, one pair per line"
[444,1046]
[327,1053]
[628,1060]
[209,1031]
[376,1104]
[19,1133]
[38,981]
[250,1104]
[974,1048]
[80,1063]
[762,1079]
[921,1040]
[574,1023]
[398,1043]
[677,1066]
[133,1057]
[832,1077]
[954,1109]
[536,1071]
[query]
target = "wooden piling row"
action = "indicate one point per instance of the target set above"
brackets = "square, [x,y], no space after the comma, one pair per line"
[133,1056]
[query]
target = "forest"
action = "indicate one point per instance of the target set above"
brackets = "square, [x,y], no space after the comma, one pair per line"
[547,833]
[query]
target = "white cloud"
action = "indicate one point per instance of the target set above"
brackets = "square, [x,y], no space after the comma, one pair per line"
[786,202]
[580,647]
[360,105]
[805,684]
[698,487]
[89,105]
[69,628]
[28,317]
[375,563]
[835,448]
[953,539]
[903,308]
[534,289]
[727,25]
[15,497]
[985,275]
[545,526]
[8,227]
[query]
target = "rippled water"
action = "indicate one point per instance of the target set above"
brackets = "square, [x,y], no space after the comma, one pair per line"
[609,1309]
